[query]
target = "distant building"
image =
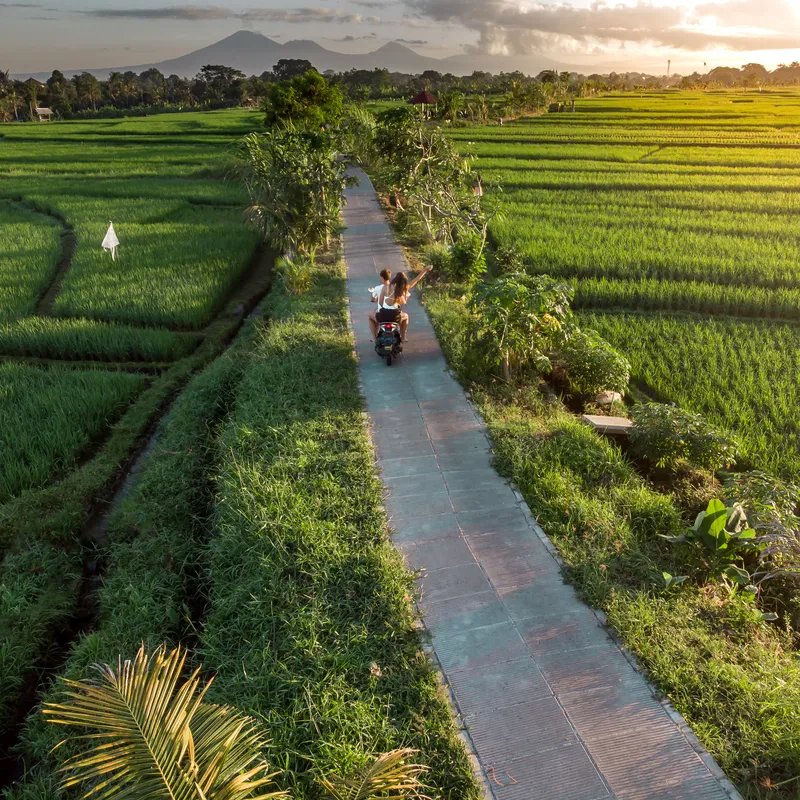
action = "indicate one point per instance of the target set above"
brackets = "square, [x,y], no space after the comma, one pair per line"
[43,114]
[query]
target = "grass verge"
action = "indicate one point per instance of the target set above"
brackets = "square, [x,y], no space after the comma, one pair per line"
[310,624]
[735,678]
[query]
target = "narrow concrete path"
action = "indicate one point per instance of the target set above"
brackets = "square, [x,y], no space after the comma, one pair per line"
[551,705]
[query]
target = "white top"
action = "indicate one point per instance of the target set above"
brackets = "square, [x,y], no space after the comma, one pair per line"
[383,298]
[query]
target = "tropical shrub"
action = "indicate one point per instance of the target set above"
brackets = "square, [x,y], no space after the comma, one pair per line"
[296,186]
[295,274]
[305,101]
[439,257]
[724,532]
[467,259]
[771,505]
[666,435]
[592,364]
[425,173]
[507,258]
[356,134]
[156,736]
[519,318]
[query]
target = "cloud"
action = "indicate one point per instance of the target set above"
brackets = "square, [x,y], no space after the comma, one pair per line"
[418,42]
[349,38]
[305,15]
[190,13]
[374,3]
[195,13]
[515,26]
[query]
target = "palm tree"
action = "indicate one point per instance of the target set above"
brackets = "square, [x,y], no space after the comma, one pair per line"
[13,98]
[153,739]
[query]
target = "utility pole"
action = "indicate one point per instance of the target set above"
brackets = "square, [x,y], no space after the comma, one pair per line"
[669,67]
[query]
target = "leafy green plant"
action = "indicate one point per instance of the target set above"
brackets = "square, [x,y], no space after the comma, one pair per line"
[154,737]
[592,364]
[770,505]
[295,273]
[439,257]
[519,318]
[296,186]
[671,581]
[507,258]
[724,532]
[467,259]
[666,435]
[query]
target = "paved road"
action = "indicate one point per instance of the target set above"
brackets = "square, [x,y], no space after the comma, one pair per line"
[551,705]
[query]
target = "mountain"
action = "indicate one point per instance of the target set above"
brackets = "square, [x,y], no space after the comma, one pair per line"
[254,53]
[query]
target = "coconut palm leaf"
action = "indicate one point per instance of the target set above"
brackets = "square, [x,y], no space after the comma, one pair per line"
[389,777]
[153,738]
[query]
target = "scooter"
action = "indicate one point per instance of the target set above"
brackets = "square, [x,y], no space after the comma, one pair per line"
[388,344]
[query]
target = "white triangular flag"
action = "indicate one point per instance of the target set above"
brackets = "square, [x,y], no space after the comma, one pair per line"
[111,242]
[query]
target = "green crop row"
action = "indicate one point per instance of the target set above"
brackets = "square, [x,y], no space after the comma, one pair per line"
[702,298]
[46,337]
[151,555]
[743,375]
[29,251]
[48,419]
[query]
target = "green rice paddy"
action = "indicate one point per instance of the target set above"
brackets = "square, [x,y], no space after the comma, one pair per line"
[685,204]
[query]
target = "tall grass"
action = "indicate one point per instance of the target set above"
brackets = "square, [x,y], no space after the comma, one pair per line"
[48,418]
[45,337]
[309,624]
[29,250]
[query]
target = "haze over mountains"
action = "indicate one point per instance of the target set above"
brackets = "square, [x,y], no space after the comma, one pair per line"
[253,53]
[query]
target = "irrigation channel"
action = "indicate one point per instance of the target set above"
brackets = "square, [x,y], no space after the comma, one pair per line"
[214,341]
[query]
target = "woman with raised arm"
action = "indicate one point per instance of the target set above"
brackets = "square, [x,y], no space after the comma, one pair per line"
[400,292]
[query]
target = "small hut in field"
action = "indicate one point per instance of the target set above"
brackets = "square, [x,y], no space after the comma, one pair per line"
[424,98]
[43,114]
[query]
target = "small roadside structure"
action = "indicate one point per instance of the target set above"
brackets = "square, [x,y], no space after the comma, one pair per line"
[43,114]
[424,98]
[610,426]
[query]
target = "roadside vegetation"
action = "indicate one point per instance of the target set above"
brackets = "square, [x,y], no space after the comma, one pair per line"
[226,502]
[681,534]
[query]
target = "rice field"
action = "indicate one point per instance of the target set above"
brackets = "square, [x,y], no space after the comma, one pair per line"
[162,181]
[683,210]
[29,250]
[184,249]
[49,418]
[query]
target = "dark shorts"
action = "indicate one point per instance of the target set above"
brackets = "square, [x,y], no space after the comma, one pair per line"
[388,315]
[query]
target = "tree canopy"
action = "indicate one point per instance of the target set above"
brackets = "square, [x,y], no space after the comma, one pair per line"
[305,101]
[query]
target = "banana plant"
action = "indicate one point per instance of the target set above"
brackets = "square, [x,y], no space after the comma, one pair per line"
[155,738]
[724,532]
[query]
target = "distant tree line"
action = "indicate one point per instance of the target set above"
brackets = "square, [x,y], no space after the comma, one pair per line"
[478,96]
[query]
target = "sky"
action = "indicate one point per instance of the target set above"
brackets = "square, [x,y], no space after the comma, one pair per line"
[41,35]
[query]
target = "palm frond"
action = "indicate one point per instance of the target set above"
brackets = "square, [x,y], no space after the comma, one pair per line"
[389,777]
[153,738]
[142,721]
[229,744]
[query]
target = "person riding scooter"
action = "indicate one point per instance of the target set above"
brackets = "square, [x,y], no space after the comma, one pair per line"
[393,298]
